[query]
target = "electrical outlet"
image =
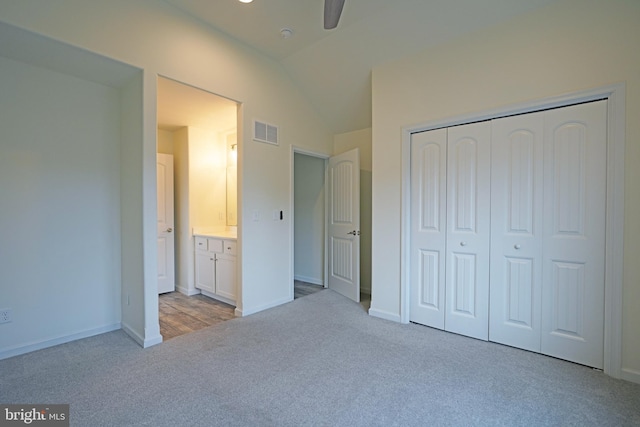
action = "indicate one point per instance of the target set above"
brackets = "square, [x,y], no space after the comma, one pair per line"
[5,315]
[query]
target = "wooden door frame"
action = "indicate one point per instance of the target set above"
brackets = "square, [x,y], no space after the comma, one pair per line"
[614,244]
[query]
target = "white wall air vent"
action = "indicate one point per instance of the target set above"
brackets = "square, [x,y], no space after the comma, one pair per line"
[264,132]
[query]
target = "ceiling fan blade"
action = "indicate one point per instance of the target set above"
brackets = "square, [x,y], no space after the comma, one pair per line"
[332,12]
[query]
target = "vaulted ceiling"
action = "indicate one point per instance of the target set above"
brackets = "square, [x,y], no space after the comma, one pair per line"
[332,68]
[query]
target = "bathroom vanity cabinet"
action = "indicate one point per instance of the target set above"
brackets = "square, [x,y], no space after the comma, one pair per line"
[215,264]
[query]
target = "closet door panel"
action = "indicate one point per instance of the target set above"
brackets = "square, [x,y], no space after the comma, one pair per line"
[428,227]
[516,230]
[574,238]
[468,222]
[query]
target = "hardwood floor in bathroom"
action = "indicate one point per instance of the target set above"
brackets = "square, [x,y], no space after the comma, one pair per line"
[181,314]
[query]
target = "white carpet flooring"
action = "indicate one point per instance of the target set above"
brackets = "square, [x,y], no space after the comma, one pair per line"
[319,360]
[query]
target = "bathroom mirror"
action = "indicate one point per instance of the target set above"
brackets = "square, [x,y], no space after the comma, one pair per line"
[232,196]
[232,180]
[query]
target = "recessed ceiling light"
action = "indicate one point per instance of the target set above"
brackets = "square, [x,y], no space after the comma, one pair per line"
[245,1]
[286,33]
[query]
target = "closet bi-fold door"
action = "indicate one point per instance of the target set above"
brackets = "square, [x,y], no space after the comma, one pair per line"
[428,227]
[516,230]
[548,232]
[468,230]
[575,182]
[450,187]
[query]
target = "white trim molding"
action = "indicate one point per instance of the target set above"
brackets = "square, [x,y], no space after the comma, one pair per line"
[324,156]
[630,375]
[308,279]
[39,345]
[186,291]
[615,95]
[143,342]
[386,315]
[252,310]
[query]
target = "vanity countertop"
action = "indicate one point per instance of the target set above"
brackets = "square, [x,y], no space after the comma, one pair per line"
[221,234]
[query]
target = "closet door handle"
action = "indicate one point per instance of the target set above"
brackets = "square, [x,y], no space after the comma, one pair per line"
[463,243]
[516,246]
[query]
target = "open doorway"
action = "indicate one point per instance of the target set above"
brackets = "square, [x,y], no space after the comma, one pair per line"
[197,137]
[308,223]
[311,183]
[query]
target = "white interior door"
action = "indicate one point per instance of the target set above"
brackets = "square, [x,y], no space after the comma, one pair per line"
[516,230]
[166,243]
[344,224]
[575,179]
[468,230]
[428,227]
[541,242]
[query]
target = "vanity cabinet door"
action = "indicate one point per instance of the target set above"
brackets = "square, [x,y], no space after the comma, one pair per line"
[205,271]
[226,276]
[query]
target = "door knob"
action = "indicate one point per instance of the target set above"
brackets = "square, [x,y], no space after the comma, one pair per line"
[463,243]
[516,246]
[169,230]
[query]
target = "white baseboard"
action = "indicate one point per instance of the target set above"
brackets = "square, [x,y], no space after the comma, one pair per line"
[148,342]
[630,375]
[28,348]
[186,291]
[218,297]
[386,315]
[142,342]
[312,280]
[133,334]
[253,310]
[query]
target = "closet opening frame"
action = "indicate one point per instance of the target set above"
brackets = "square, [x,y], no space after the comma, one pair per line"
[614,240]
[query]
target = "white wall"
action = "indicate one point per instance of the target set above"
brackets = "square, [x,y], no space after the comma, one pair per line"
[200,199]
[165,141]
[569,46]
[207,179]
[309,227]
[135,310]
[155,37]
[60,207]
[343,142]
[185,276]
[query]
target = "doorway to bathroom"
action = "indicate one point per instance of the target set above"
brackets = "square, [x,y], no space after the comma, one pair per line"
[197,139]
